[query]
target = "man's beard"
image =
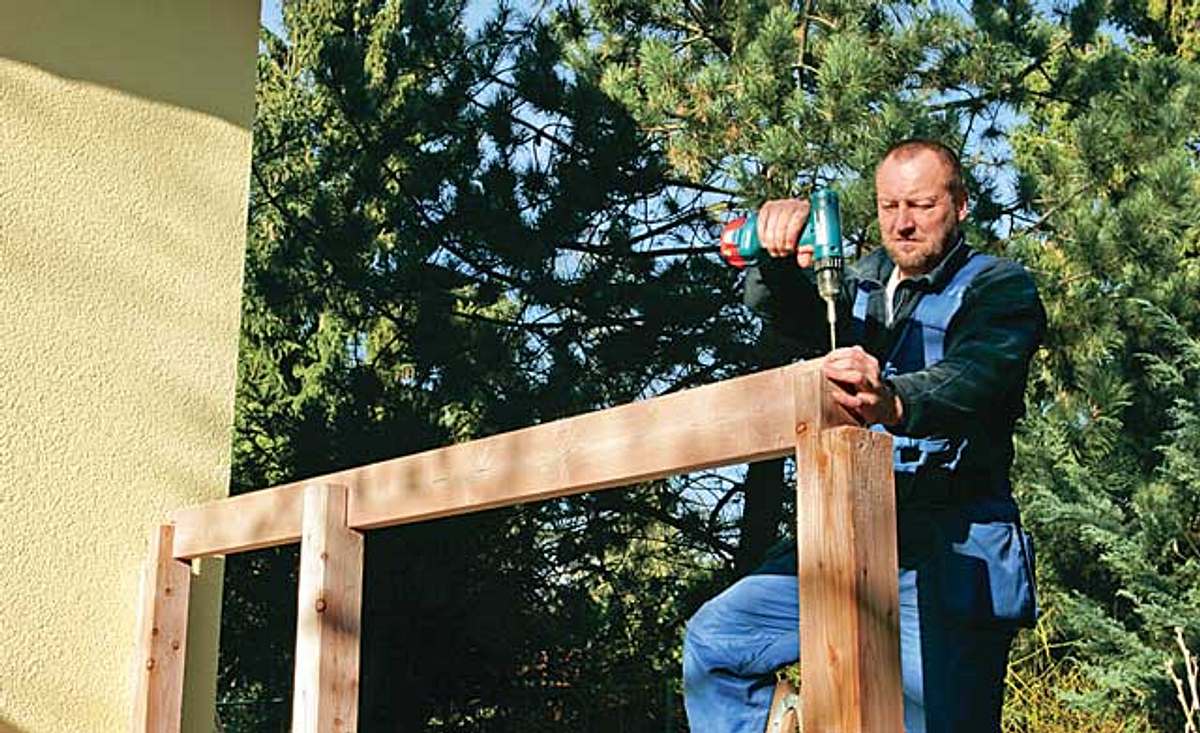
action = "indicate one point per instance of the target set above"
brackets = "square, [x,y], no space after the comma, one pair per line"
[922,259]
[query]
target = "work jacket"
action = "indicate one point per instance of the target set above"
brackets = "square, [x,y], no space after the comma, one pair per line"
[957,353]
[973,390]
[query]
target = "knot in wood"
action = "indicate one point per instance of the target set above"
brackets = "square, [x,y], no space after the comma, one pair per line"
[150,663]
[320,605]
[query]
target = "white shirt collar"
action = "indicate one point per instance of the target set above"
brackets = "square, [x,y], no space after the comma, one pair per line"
[890,294]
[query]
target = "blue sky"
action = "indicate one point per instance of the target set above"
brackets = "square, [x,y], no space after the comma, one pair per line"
[272,14]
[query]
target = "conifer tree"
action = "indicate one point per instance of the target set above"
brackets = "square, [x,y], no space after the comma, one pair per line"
[1107,461]
[769,99]
[457,232]
[452,235]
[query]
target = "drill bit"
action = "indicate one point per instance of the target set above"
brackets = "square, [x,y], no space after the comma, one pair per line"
[831,314]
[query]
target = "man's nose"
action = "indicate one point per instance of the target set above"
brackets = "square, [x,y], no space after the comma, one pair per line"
[904,221]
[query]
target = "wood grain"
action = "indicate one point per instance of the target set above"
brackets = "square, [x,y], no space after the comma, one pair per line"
[263,518]
[745,419]
[849,604]
[162,638]
[846,527]
[325,695]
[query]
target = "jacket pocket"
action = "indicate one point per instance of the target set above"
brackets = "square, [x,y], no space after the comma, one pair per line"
[921,455]
[987,577]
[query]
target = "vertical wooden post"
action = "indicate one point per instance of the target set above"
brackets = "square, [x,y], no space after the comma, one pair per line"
[162,638]
[849,604]
[325,697]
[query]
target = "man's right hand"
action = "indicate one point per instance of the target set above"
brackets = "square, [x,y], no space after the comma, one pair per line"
[780,223]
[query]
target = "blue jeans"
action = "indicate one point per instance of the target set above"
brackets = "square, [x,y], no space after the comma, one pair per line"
[958,615]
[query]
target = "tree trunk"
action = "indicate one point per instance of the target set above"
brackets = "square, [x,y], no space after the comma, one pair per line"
[762,513]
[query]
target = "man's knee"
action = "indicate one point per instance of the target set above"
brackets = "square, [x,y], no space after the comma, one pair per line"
[752,624]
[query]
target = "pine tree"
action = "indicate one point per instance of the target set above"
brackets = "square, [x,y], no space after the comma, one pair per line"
[1107,462]
[769,99]
[362,342]
[453,234]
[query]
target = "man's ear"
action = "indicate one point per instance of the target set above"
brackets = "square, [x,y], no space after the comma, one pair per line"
[961,203]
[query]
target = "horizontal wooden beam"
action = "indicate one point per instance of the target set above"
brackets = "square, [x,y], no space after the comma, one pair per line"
[744,419]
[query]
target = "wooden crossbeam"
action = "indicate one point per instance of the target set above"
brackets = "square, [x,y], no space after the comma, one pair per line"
[745,419]
[162,638]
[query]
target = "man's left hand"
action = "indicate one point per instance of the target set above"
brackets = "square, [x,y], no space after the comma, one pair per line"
[861,388]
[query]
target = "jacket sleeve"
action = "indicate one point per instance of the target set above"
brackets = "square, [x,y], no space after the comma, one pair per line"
[785,295]
[988,347]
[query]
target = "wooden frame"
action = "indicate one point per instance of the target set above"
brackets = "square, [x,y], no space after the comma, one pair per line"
[845,522]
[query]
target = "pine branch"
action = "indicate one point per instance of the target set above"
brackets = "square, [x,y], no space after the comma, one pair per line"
[591,324]
[601,251]
[715,514]
[699,186]
[1045,217]
[708,538]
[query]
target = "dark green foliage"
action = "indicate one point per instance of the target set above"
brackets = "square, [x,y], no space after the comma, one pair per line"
[1108,459]
[453,235]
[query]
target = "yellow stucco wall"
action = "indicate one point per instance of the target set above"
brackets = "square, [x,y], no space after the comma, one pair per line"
[124,159]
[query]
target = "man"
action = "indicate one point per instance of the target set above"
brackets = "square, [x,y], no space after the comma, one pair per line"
[942,340]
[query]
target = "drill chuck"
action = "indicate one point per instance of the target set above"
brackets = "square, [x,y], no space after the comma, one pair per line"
[825,226]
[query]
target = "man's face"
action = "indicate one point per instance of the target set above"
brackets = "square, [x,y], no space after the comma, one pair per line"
[918,215]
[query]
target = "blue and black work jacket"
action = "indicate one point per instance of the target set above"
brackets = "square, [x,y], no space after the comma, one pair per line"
[957,353]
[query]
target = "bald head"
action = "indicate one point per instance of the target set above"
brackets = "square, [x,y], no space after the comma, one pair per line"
[906,149]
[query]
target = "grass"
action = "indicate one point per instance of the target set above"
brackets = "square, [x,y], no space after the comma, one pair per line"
[1040,683]
[1187,688]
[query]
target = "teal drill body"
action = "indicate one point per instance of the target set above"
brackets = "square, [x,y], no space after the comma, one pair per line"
[741,247]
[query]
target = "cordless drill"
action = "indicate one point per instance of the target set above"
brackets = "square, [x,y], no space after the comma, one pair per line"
[741,247]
